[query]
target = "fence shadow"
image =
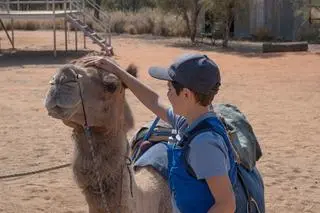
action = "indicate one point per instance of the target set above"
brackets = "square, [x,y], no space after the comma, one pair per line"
[38,57]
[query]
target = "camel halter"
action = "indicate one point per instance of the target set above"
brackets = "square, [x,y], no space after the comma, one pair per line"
[88,135]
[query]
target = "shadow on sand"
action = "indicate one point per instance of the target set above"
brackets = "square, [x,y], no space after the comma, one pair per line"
[240,48]
[38,57]
[244,49]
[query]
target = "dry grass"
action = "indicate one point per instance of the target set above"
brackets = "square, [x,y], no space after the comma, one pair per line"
[33,25]
[146,21]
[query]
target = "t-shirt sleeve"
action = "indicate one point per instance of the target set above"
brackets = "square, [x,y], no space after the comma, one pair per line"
[208,156]
[176,121]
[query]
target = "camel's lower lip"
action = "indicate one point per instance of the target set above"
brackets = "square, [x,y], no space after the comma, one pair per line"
[59,113]
[54,115]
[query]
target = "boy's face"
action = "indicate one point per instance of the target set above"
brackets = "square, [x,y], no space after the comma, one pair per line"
[179,102]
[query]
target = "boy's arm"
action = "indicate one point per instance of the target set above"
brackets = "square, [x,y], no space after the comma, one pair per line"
[221,189]
[144,93]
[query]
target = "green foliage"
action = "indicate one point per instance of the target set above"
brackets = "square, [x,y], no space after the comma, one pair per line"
[128,5]
[219,9]
[223,11]
[189,10]
[176,6]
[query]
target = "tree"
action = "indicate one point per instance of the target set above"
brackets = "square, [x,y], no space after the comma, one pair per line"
[96,11]
[223,10]
[128,5]
[188,9]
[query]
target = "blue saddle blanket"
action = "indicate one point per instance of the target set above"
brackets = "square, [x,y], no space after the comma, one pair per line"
[157,157]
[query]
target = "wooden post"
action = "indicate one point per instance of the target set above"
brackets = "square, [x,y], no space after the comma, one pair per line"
[54,29]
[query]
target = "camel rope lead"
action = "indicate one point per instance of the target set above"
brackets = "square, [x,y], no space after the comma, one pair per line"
[88,135]
[35,172]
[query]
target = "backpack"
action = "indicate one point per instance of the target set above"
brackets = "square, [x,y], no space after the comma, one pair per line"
[244,142]
[250,189]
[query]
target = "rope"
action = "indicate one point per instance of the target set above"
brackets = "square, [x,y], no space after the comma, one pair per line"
[35,172]
[88,135]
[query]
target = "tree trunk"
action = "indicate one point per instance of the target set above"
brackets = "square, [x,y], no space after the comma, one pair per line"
[195,24]
[97,12]
[186,19]
[228,21]
[226,34]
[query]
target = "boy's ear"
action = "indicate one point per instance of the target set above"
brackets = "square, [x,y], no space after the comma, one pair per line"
[189,94]
[186,93]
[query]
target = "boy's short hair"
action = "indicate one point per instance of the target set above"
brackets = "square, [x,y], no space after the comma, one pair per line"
[202,99]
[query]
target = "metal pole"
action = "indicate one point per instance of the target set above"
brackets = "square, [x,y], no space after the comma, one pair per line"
[65,26]
[84,21]
[54,29]
[12,33]
[76,37]
[12,25]
[84,35]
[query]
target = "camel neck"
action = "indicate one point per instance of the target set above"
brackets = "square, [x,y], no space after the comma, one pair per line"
[104,143]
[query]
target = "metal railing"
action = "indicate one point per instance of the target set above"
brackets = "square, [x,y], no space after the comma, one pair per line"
[83,8]
[4,6]
[86,8]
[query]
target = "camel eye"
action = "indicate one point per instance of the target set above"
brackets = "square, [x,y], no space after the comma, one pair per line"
[78,76]
[110,87]
[52,81]
[110,83]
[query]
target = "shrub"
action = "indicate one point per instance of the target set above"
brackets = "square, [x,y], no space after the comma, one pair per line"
[263,34]
[145,21]
[311,34]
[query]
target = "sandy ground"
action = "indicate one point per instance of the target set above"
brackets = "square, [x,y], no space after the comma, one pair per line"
[279,93]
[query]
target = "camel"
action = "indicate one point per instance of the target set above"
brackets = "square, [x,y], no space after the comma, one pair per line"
[108,115]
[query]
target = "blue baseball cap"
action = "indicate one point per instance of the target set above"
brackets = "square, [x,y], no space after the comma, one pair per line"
[193,71]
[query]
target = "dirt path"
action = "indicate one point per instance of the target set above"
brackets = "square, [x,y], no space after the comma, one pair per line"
[279,93]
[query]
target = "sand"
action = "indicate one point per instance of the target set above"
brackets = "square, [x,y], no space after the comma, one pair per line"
[279,94]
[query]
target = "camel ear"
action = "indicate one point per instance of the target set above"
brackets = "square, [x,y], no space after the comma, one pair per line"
[132,70]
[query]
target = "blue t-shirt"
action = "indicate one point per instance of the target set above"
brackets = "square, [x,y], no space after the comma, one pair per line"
[208,155]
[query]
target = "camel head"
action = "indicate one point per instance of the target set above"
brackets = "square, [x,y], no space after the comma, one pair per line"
[101,93]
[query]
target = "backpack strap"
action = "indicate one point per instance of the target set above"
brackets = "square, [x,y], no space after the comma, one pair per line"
[186,147]
[212,124]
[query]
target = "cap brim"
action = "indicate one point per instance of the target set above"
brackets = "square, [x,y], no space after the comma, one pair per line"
[160,73]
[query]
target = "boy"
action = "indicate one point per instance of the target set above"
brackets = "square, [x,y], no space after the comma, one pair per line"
[201,164]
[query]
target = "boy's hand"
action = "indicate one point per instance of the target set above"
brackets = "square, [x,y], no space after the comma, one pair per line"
[102,63]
